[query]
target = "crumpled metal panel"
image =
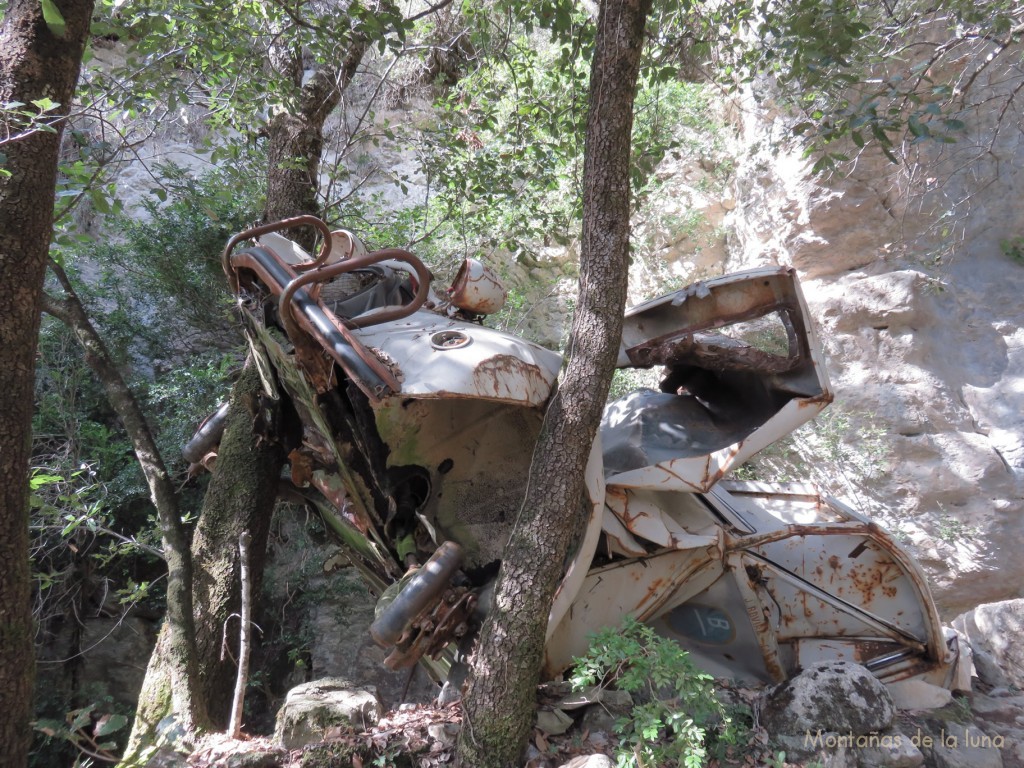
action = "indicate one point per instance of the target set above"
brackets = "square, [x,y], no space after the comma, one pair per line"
[637,587]
[725,398]
[438,357]
[767,579]
[476,455]
[580,564]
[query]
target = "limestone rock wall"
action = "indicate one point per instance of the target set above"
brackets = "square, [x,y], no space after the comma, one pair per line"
[920,312]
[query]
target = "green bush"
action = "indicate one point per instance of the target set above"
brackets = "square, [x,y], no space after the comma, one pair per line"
[676,718]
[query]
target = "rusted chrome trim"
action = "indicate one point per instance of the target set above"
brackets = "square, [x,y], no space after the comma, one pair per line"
[376,316]
[372,376]
[277,226]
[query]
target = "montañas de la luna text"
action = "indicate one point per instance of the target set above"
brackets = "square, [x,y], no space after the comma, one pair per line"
[954,738]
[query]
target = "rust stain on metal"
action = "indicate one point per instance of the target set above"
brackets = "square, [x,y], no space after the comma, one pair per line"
[441,623]
[503,375]
[477,289]
[712,352]
[872,604]
[652,591]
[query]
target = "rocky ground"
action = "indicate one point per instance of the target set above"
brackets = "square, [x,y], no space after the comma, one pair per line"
[832,715]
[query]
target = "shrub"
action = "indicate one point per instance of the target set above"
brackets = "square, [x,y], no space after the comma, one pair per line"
[676,717]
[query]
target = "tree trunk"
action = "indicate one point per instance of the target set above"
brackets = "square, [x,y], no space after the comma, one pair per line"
[240,498]
[243,488]
[501,696]
[36,61]
[296,142]
[189,704]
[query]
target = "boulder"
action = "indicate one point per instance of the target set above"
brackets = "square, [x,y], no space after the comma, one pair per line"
[828,697]
[827,750]
[312,709]
[918,694]
[994,632]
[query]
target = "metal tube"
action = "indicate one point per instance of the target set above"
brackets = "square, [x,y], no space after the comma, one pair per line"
[429,582]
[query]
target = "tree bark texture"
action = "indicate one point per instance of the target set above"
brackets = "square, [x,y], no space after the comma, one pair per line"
[240,498]
[189,704]
[296,142]
[35,63]
[501,696]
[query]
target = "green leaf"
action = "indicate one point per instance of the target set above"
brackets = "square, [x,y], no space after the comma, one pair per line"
[53,18]
[45,104]
[919,129]
[100,202]
[108,724]
[38,481]
[79,718]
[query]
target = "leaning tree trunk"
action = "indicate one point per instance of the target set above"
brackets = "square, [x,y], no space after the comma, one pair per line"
[501,696]
[37,61]
[240,499]
[186,697]
[243,489]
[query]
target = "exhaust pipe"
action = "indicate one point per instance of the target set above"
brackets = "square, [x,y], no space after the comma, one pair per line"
[428,583]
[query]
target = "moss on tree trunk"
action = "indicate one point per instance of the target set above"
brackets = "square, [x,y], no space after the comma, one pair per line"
[240,498]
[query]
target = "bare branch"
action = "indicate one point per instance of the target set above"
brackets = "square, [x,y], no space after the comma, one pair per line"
[431,9]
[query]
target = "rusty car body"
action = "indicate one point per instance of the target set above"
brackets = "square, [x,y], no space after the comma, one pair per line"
[418,425]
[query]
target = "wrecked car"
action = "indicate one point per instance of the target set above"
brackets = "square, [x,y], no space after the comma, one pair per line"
[418,425]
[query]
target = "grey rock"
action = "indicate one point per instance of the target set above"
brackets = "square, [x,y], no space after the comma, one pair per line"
[253,760]
[1005,709]
[917,694]
[889,749]
[589,761]
[218,750]
[1002,692]
[830,750]
[444,733]
[553,722]
[310,710]
[602,716]
[994,632]
[836,697]
[955,745]
[166,757]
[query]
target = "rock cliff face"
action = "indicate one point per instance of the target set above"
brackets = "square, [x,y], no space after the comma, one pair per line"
[920,311]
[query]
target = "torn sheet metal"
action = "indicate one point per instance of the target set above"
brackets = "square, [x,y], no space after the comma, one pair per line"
[742,369]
